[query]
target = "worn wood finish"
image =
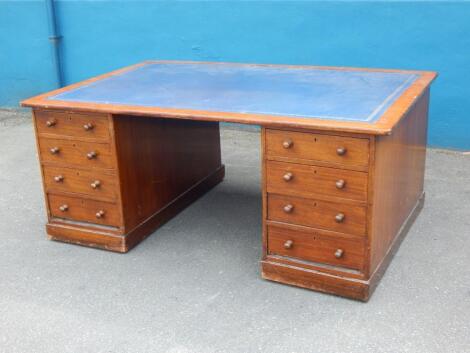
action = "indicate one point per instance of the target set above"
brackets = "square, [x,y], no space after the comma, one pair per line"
[314,181]
[381,267]
[114,239]
[398,178]
[338,196]
[317,214]
[170,210]
[383,127]
[318,147]
[316,246]
[76,153]
[102,185]
[160,159]
[146,173]
[329,280]
[86,235]
[86,210]
[334,270]
[395,177]
[69,124]
[315,280]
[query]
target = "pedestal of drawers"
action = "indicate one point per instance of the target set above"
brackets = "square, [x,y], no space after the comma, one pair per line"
[337,205]
[111,180]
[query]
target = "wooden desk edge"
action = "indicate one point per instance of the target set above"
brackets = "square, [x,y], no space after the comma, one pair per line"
[384,126]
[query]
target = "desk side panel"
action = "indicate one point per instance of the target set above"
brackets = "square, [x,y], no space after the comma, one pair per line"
[159,160]
[398,181]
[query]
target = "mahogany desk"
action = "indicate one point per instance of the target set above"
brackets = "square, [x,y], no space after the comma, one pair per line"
[343,155]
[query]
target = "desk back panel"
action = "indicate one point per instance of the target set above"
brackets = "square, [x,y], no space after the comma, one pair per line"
[161,159]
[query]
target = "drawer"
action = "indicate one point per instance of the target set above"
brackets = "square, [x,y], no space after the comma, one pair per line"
[347,151]
[101,185]
[309,181]
[79,209]
[316,246]
[335,216]
[80,125]
[86,154]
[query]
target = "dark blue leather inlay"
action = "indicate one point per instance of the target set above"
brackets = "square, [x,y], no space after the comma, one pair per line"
[298,92]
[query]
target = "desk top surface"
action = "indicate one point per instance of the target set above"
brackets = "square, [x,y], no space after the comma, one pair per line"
[301,93]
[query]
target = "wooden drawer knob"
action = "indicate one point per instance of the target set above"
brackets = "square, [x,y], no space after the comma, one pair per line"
[100,214]
[91,155]
[51,123]
[96,184]
[59,178]
[339,253]
[54,150]
[340,217]
[341,151]
[288,208]
[288,244]
[64,208]
[88,126]
[340,184]
[288,176]
[288,143]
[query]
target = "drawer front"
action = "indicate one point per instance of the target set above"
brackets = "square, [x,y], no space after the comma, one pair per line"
[318,214]
[308,181]
[72,124]
[347,151]
[316,246]
[95,184]
[79,209]
[86,154]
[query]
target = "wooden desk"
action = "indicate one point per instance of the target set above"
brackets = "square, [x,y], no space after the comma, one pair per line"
[343,155]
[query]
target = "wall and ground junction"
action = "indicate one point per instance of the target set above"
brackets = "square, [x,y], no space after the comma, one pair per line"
[99,36]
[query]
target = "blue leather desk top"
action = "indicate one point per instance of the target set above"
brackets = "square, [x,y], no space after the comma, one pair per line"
[361,96]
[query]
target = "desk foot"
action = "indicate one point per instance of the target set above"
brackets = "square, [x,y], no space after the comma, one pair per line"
[315,280]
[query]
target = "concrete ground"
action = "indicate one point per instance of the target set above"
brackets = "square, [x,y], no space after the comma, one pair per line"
[195,285]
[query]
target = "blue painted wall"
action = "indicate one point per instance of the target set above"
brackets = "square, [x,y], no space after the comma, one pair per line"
[103,35]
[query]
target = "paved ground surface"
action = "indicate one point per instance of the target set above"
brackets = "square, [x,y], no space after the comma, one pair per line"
[194,286]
